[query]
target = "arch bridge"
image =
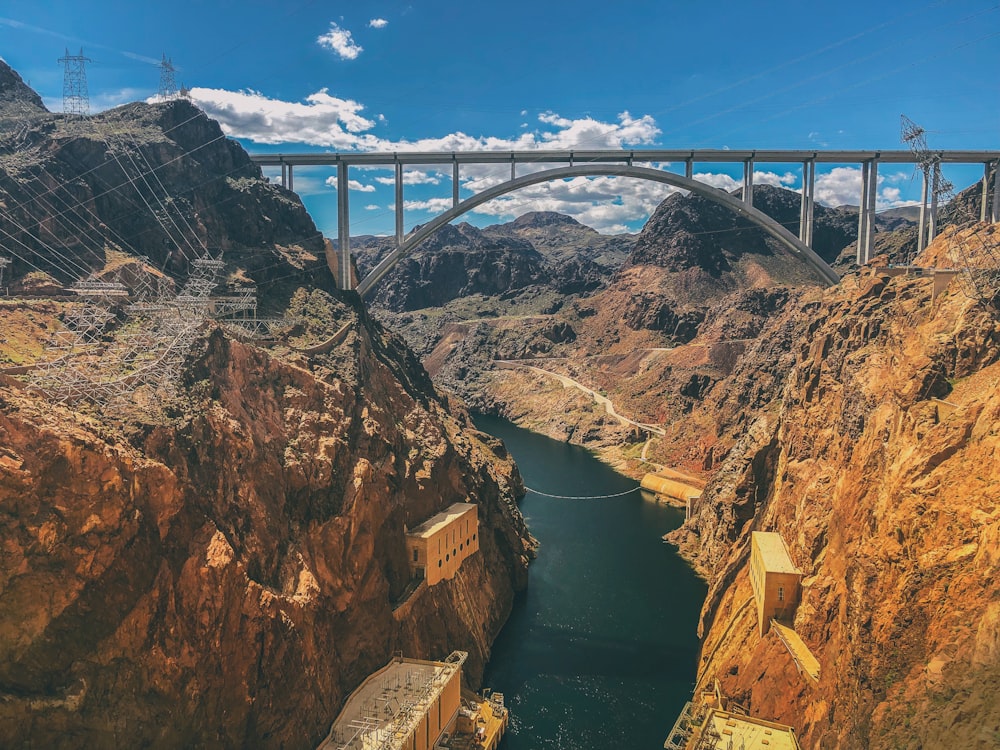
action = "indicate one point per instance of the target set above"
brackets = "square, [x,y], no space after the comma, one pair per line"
[621,163]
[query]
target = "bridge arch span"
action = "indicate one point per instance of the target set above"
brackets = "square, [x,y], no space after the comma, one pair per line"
[797,248]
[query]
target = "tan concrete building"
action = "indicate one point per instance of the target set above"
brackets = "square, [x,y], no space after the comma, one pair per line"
[775,579]
[713,723]
[437,547]
[407,705]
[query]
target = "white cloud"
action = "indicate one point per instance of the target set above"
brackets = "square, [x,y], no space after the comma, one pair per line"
[606,203]
[839,187]
[432,205]
[770,178]
[378,23]
[413,177]
[717,180]
[351,185]
[322,120]
[340,42]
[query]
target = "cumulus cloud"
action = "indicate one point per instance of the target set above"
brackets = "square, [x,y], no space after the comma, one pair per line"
[841,186]
[351,185]
[608,204]
[378,23]
[340,42]
[413,177]
[432,205]
[718,180]
[776,180]
[321,120]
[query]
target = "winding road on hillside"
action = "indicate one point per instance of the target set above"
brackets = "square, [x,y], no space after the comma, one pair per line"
[569,382]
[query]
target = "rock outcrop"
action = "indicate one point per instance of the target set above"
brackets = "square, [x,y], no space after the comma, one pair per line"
[221,564]
[873,457]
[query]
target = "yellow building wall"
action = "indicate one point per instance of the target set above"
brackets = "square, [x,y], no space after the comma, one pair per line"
[440,554]
[776,594]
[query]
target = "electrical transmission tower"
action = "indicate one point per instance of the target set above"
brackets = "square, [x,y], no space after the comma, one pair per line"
[168,88]
[978,255]
[76,98]
[930,164]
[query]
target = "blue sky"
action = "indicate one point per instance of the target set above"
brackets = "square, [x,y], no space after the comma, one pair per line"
[311,75]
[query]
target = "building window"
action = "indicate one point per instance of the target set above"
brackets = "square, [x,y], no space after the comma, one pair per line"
[781,593]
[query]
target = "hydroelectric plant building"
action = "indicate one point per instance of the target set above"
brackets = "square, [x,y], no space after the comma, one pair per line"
[437,547]
[775,579]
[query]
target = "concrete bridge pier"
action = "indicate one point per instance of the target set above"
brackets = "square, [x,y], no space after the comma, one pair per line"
[748,182]
[922,228]
[344,227]
[932,219]
[866,211]
[996,192]
[808,201]
[399,203]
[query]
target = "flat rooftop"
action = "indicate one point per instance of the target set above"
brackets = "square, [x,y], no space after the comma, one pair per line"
[748,733]
[774,553]
[435,523]
[389,705]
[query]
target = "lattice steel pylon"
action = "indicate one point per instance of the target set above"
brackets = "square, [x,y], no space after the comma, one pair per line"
[977,254]
[76,97]
[940,189]
[168,87]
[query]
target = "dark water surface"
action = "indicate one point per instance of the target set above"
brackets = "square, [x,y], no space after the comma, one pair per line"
[600,651]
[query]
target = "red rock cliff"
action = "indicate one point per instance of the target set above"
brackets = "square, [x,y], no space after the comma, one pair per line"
[224,571]
[878,465]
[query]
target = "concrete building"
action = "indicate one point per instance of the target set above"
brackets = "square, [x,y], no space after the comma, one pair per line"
[412,704]
[407,705]
[710,722]
[437,547]
[775,579]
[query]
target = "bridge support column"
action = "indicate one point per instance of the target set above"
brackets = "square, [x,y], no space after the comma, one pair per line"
[748,182]
[343,228]
[399,203]
[866,212]
[863,213]
[808,199]
[935,188]
[922,229]
[996,192]
[454,183]
[983,208]
[291,183]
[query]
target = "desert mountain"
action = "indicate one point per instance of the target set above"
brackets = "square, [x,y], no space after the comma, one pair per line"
[216,557]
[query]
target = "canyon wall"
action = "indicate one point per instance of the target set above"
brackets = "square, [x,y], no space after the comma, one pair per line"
[876,461]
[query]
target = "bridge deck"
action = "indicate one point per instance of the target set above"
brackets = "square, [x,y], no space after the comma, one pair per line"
[574,156]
